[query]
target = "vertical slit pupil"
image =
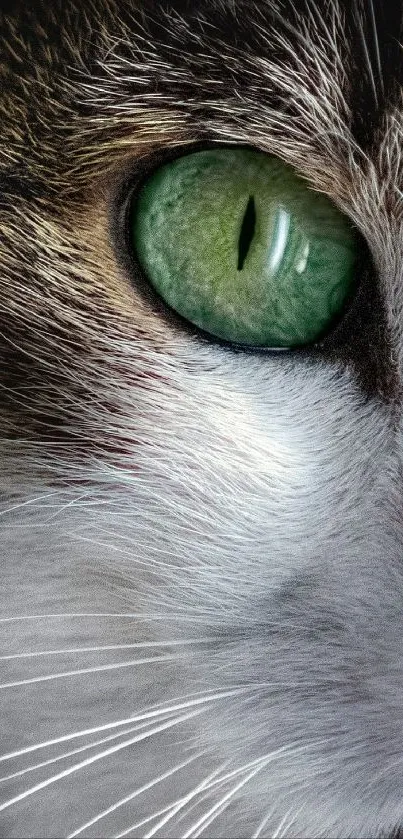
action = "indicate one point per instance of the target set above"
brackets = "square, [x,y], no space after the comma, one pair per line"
[247,232]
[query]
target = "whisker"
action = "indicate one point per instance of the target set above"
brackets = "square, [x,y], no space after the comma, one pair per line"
[209,784]
[155,711]
[71,615]
[367,59]
[29,502]
[212,819]
[376,44]
[201,823]
[151,563]
[139,616]
[212,787]
[139,646]
[73,502]
[76,751]
[86,670]
[259,830]
[283,823]
[183,801]
[106,753]
[142,823]
[262,763]
[134,794]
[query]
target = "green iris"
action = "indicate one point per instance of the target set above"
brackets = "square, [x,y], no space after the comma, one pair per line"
[238,244]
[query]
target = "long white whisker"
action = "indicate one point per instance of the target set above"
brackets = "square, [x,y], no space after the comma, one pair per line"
[201,823]
[368,60]
[376,43]
[222,779]
[146,715]
[142,823]
[133,795]
[78,750]
[70,615]
[86,670]
[209,787]
[151,563]
[209,783]
[212,819]
[183,801]
[264,761]
[29,502]
[138,646]
[106,753]
[259,830]
[213,786]
[74,501]
[150,616]
[283,823]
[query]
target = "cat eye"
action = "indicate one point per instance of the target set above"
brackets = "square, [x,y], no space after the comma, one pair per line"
[236,242]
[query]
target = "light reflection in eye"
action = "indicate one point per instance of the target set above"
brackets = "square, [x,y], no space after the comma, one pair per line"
[303,260]
[280,237]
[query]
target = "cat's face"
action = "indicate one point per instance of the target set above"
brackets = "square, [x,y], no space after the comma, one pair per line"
[201,545]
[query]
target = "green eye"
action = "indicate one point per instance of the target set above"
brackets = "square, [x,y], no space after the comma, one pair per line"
[237,244]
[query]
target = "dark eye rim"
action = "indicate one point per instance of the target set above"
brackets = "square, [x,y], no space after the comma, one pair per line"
[123,207]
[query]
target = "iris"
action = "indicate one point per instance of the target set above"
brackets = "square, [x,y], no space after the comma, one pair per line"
[239,245]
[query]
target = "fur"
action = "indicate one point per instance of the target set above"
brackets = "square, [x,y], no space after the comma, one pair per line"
[202,582]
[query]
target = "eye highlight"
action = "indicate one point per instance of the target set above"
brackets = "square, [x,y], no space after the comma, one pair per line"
[235,242]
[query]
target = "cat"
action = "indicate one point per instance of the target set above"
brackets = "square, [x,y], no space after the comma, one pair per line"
[201,543]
